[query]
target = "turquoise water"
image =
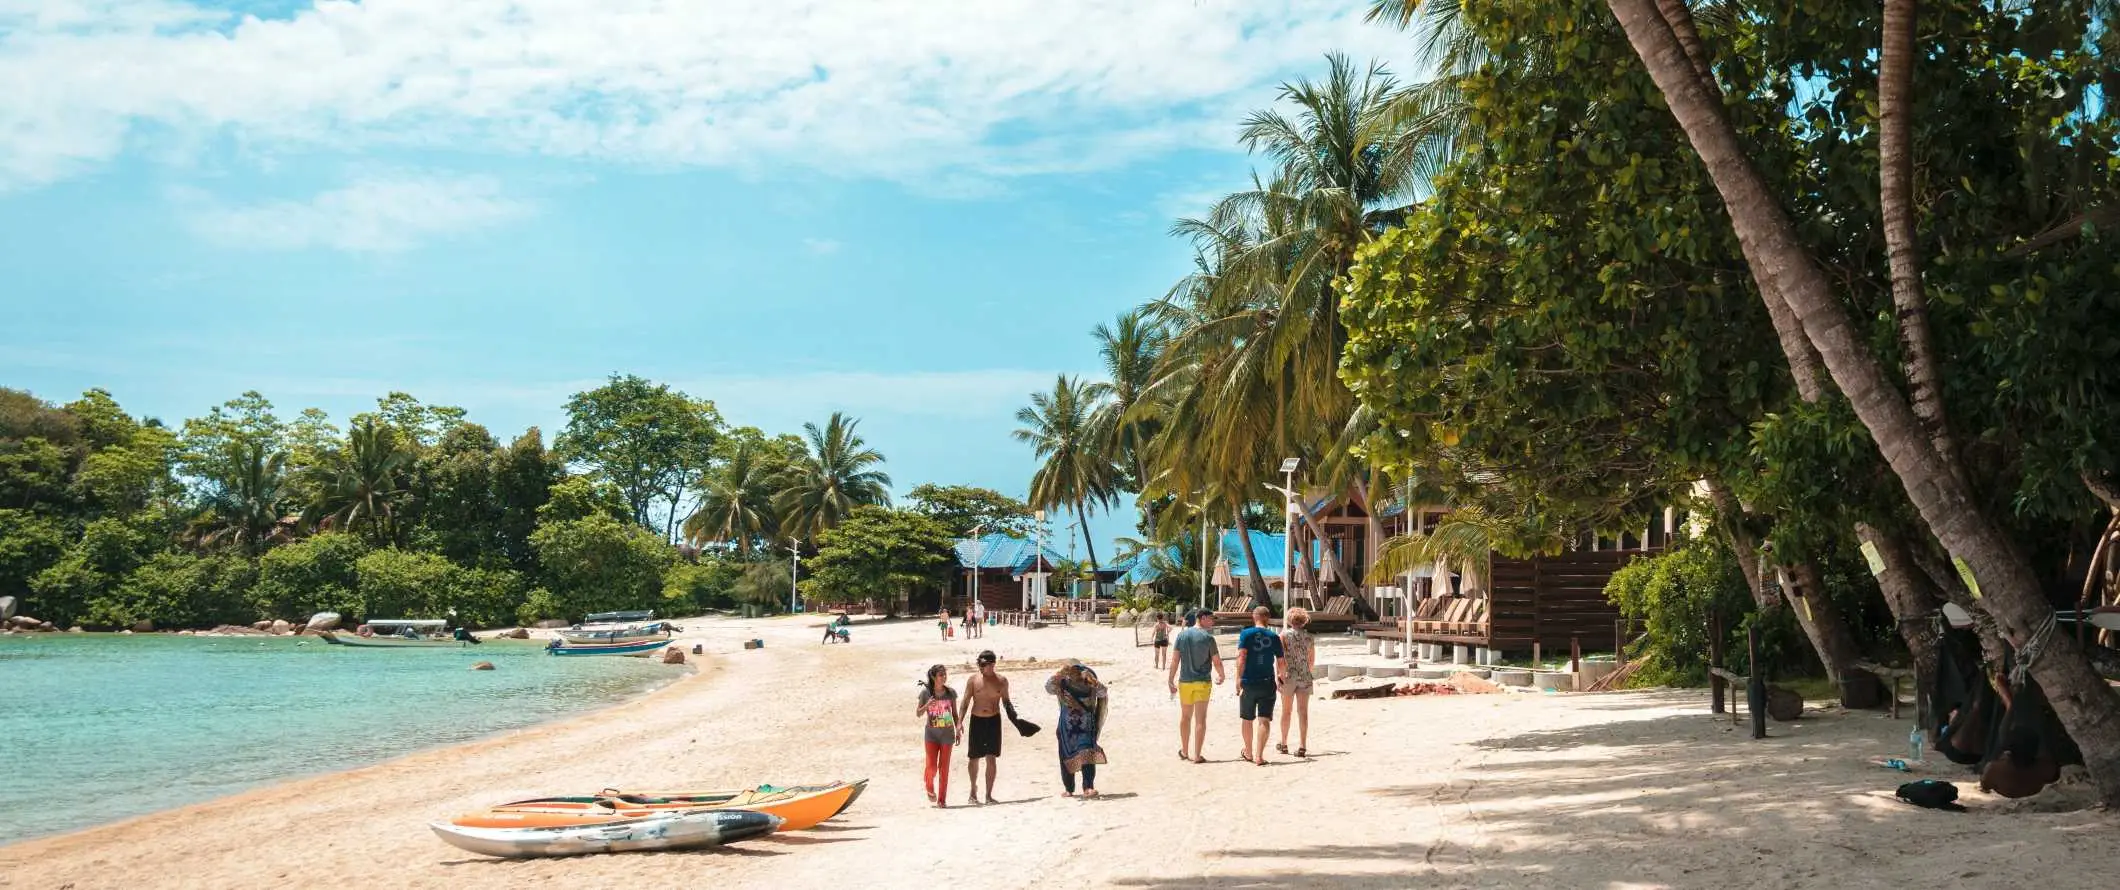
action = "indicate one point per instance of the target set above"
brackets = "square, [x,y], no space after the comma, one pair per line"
[118,726]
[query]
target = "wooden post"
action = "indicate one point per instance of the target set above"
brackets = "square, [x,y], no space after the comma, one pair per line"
[1717,686]
[1756,688]
[1575,653]
[1538,658]
[1619,644]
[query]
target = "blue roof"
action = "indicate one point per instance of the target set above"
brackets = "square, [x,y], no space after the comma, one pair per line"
[1001,551]
[1267,547]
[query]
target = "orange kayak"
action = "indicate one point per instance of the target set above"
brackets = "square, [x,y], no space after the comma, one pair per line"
[798,808]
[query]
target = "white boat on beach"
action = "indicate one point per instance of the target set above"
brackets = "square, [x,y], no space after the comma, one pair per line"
[616,628]
[681,830]
[400,633]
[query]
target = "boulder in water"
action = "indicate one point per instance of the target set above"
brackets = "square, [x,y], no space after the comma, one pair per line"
[143,626]
[76,629]
[280,626]
[673,655]
[483,666]
[22,621]
[261,625]
[7,607]
[516,634]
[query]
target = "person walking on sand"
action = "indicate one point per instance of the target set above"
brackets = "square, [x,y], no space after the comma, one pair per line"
[985,695]
[1300,661]
[1162,641]
[944,624]
[1197,658]
[976,626]
[1082,699]
[1260,661]
[938,715]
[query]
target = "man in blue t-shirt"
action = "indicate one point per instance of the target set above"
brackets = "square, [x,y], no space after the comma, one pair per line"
[1258,680]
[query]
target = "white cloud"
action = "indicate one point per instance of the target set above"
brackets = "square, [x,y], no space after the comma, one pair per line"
[377,213]
[821,246]
[946,94]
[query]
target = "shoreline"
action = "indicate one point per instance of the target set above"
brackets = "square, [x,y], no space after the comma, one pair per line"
[692,671]
[1639,789]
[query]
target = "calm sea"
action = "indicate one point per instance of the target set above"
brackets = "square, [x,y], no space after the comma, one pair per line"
[117,726]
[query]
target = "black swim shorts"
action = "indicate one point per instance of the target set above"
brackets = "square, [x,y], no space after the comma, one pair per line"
[985,736]
[1255,701]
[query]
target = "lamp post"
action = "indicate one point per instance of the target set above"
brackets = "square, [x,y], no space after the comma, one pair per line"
[1288,531]
[1038,562]
[794,556]
[1203,551]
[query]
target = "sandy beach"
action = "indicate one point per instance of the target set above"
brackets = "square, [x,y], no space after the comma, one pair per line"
[1624,790]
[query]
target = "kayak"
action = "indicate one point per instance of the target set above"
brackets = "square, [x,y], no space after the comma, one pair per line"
[859,786]
[799,808]
[670,830]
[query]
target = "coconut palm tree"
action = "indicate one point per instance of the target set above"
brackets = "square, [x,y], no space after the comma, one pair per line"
[1130,348]
[1077,473]
[362,486]
[835,475]
[735,502]
[247,505]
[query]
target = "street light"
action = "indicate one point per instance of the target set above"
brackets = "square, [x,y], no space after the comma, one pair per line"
[1288,533]
[794,555]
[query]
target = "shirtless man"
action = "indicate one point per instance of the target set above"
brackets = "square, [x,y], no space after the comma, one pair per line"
[985,695]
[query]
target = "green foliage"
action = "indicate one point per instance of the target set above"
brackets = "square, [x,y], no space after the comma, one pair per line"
[179,589]
[90,569]
[403,583]
[29,543]
[879,555]
[363,487]
[835,475]
[690,588]
[597,563]
[647,439]
[1674,595]
[761,584]
[32,471]
[961,508]
[316,574]
[580,497]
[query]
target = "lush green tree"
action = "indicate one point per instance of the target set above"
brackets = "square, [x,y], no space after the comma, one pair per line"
[213,447]
[736,501]
[879,555]
[245,508]
[523,477]
[362,487]
[1131,350]
[403,583]
[458,513]
[962,508]
[580,497]
[693,587]
[175,588]
[128,474]
[24,416]
[761,584]
[837,475]
[596,563]
[29,543]
[33,472]
[319,573]
[92,567]
[419,425]
[1076,471]
[649,440]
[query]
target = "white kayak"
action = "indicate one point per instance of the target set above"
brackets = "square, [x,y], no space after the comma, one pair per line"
[683,830]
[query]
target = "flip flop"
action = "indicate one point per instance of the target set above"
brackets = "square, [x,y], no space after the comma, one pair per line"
[1181,755]
[1199,760]
[1246,757]
[1282,747]
[1302,753]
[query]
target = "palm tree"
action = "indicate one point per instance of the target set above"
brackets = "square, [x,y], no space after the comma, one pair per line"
[735,503]
[247,505]
[830,480]
[1077,473]
[362,485]
[1130,350]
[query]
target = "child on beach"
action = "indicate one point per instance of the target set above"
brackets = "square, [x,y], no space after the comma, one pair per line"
[938,717]
[945,625]
[1162,640]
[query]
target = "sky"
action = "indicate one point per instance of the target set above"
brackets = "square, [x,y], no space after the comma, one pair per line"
[913,211]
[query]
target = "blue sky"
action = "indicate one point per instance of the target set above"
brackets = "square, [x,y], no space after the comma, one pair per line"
[910,210]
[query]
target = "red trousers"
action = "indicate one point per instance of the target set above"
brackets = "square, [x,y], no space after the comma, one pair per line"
[937,776]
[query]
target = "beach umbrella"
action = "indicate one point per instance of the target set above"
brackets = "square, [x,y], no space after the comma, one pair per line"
[1222,578]
[1302,570]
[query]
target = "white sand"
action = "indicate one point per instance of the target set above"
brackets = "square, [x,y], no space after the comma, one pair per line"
[1605,791]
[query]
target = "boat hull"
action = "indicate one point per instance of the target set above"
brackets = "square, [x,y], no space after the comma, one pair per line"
[647,647]
[356,641]
[681,830]
[798,808]
[606,637]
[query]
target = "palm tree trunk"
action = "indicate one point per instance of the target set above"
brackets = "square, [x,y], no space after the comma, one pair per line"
[2088,708]
[1895,150]
[1251,562]
[1082,519]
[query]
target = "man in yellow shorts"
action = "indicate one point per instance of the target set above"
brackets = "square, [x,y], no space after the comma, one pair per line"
[1198,657]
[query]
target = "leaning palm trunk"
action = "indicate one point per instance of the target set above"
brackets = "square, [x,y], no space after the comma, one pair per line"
[1895,155]
[2088,708]
[1251,563]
